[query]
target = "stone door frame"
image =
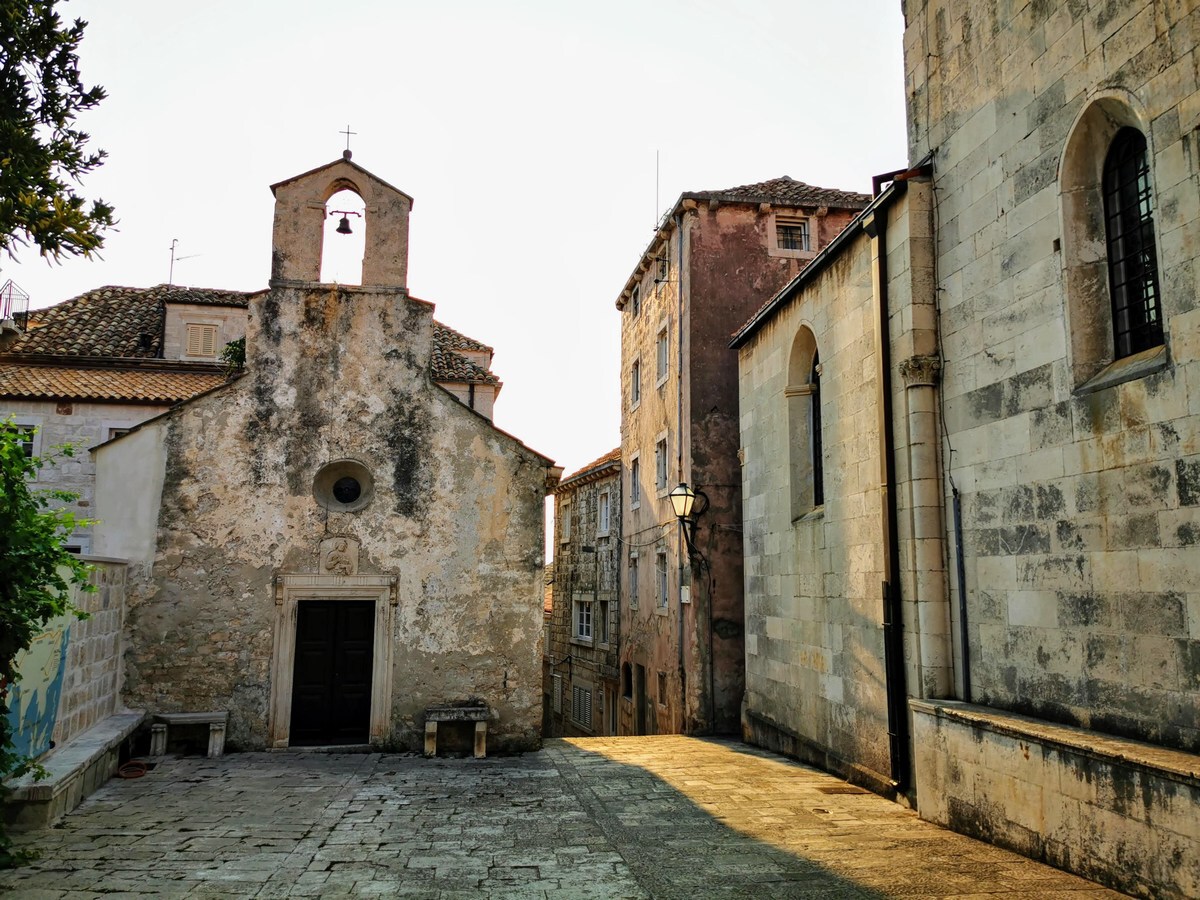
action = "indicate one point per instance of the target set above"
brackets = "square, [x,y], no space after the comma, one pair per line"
[289,591]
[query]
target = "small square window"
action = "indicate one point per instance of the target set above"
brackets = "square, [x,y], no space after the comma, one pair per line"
[25,435]
[663,354]
[201,340]
[791,233]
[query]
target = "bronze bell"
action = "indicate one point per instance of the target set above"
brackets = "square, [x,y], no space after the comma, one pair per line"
[344,226]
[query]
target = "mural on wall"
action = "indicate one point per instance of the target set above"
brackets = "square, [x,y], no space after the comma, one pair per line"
[33,699]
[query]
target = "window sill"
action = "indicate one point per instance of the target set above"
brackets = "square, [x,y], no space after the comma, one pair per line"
[581,642]
[662,381]
[662,610]
[816,514]
[1130,368]
[635,404]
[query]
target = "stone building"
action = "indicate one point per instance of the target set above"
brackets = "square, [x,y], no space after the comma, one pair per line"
[331,543]
[716,257]
[90,368]
[583,632]
[1009,632]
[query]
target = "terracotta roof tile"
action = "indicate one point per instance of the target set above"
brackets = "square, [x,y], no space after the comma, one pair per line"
[111,321]
[446,337]
[67,383]
[610,457]
[788,192]
[446,365]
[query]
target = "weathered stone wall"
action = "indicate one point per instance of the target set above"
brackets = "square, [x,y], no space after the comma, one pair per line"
[594,576]
[456,518]
[1115,811]
[82,424]
[814,637]
[92,679]
[1081,502]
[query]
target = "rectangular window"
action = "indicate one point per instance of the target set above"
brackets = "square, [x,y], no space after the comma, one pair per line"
[660,464]
[581,707]
[662,688]
[663,262]
[583,619]
[663,351]
[602,514]
[660,573]
[635,483]
[791,233]
[564,527]
[635,384]
[635,300]
[602,622]
[556,693]
[202,340]
[25,434]
[633,581]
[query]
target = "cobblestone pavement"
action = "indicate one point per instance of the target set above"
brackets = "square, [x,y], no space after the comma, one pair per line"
[669,817]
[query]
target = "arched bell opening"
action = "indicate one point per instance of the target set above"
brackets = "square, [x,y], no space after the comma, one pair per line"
[344,238]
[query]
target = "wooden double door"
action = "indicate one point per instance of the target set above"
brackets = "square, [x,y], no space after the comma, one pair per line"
[331,683]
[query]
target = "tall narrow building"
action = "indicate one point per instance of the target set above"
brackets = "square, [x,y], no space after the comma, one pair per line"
[716,258]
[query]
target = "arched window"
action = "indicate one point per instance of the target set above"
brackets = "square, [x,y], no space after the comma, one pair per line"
[816,450]
[1132,260]
[1116,324]
[805,450]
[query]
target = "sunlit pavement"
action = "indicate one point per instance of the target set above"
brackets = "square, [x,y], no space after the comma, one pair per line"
[670,817]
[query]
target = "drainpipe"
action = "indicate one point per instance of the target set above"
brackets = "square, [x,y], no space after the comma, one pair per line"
[961,573]
[683,551]
[893,624]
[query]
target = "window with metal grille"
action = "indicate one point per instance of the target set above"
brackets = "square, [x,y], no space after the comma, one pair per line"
[1132,256]
[556,693]
[791,233]
[581,706]
[202,340]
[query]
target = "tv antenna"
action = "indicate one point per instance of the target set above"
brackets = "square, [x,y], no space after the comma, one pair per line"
[174,258]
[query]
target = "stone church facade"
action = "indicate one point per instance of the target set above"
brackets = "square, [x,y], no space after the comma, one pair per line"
[971,435]
[331,543]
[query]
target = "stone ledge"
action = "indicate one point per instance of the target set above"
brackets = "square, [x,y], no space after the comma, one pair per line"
[1176,765]
[75,770]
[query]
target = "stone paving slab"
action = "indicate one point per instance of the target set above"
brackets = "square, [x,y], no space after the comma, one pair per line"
[603,818]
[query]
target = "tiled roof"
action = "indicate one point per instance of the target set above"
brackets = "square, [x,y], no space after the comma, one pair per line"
[607,459]
[139,385]
[446,337]
[111,321]
[446,365]
[127,323]
[786,191]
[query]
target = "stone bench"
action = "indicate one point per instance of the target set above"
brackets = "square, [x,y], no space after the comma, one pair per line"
[477,713]
[73,771]
[216,722]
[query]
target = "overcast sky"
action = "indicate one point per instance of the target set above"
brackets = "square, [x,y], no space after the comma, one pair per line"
[526,131]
